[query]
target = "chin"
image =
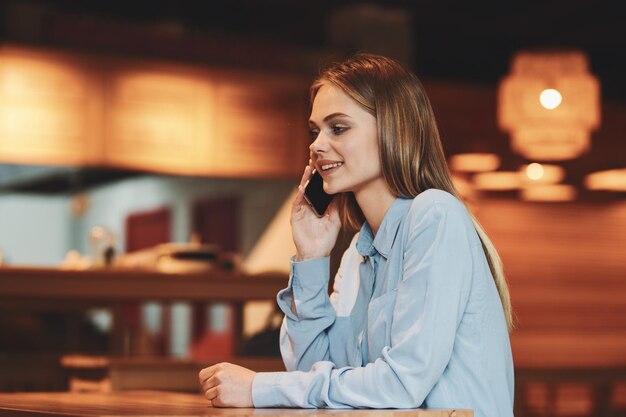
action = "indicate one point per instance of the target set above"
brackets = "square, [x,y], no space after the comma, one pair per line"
[335,187]
[330,188]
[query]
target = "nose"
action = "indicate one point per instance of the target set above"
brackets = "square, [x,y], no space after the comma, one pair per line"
[319,145]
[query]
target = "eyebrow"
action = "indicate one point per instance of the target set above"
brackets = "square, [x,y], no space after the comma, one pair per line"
[330,116]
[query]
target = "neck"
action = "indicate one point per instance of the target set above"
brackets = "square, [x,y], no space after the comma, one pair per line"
[374,203]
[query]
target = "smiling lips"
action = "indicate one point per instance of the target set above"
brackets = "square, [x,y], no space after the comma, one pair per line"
[328,165]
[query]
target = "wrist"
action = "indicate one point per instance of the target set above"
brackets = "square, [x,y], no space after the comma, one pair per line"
[303,258]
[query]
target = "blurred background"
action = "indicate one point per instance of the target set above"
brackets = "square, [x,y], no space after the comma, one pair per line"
[167,137]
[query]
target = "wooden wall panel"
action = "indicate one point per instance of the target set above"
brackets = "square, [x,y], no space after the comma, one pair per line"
[260,127]
[50,108]
[151,118]
[566,268]
[64,108]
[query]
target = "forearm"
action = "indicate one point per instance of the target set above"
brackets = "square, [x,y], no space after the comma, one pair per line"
[376,385]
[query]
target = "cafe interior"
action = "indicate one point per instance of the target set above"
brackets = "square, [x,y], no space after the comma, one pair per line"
[150,151]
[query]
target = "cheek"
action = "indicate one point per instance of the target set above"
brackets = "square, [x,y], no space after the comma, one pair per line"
[373,158]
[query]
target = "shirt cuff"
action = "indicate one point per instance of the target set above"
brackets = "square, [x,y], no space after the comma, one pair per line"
[264,390]
[308,279]
[311,274]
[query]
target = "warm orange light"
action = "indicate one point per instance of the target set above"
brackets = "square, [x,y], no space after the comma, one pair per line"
[497,181]
[550,98]
[534,171]
[474,162]
[541,173]
[550,192]
[549,104]
[610,180]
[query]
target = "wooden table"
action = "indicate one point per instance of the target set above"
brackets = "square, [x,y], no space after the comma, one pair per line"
[155,403]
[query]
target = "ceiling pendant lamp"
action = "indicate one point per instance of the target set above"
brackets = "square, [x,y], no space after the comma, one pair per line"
[549,104]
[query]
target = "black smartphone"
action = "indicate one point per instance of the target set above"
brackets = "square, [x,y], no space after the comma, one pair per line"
[315,195]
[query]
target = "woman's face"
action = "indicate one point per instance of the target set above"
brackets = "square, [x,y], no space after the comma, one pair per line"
[345,146]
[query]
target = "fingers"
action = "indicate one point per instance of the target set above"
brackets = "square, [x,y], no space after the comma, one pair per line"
[213,372]
[212,394]
[228,385]
[210,383]
[306,175]
[308,170]
[312,158]
[206,373]
[217,402]
[299,200]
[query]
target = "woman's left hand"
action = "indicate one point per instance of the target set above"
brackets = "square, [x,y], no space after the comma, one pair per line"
[227,385]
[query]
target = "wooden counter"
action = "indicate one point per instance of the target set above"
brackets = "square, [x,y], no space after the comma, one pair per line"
[114,285]
[43,289]
[155,403]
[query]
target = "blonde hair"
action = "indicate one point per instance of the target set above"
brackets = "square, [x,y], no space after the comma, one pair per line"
[411,153]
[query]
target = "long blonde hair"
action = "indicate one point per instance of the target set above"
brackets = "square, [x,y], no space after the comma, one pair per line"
[411,154]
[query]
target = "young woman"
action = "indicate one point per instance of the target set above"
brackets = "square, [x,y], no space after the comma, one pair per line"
[420,313]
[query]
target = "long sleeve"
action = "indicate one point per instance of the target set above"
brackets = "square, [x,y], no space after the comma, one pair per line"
[429,300]
[318,330]
[303,336]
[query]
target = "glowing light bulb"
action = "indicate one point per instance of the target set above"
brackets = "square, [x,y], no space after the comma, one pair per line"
[550,98]
[534,171]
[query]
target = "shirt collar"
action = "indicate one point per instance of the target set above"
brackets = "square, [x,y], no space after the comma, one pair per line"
[368,245]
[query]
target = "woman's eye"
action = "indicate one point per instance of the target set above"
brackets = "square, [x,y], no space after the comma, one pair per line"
[313,133]
[338,129]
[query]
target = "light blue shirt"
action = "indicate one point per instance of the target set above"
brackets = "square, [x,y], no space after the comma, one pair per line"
[414,320]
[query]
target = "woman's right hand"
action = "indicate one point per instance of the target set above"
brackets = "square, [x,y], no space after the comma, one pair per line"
[313,236]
